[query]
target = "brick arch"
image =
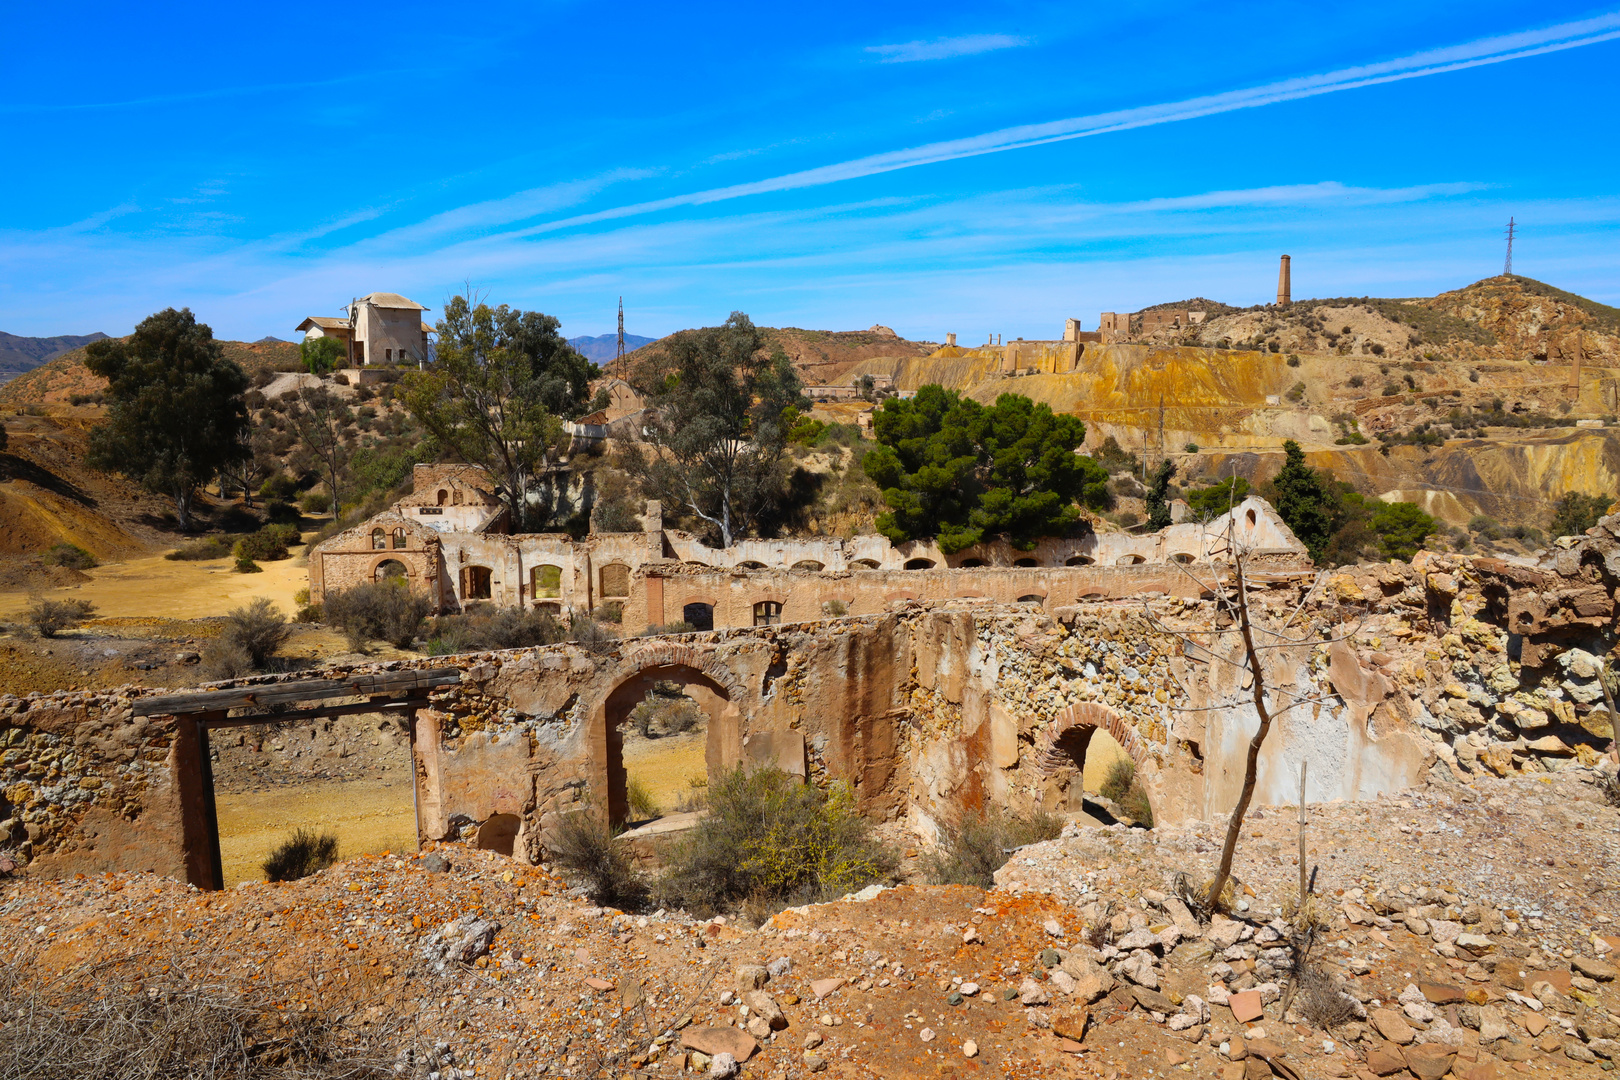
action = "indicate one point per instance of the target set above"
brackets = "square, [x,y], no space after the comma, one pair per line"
[392,556]
[1088,714]
[676,654]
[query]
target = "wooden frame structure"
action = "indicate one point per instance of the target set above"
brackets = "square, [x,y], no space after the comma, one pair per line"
[196,712]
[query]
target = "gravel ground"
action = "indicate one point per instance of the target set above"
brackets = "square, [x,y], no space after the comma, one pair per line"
[1449,910]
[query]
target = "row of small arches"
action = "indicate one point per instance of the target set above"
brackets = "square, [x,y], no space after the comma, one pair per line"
[1129,559]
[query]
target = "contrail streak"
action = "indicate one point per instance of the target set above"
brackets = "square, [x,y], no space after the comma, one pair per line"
[1492,50]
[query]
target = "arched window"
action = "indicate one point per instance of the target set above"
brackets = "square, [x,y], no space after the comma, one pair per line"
[475,583]
[700,615]
[1080,560]
[969,563]
[1183,557]
[545,581]
[767,613]
[444,496]
[1128,560]
[379,540]
[919,564]
[751,564]
[1032,598]
[389,568]
[864,564]
[1025,562]
[399,539]
[808,564]
[615,581]
[1250,518]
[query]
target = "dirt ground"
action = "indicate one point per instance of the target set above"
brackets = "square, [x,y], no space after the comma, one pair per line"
[369,816]
[667,764]
[155,587]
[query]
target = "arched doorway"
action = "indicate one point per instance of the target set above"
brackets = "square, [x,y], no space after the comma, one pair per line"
[1090,759]
[669,684]
[390,568]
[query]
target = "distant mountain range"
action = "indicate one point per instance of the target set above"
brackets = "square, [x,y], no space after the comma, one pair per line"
[606,346]
[22,354]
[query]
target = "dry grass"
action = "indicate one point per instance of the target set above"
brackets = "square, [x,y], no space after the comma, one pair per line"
[368,816]
[107,1031]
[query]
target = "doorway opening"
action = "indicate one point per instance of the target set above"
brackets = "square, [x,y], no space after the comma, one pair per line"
[349,776]
[1095,783]
[664,747]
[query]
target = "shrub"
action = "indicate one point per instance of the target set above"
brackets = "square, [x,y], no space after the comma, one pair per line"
[303,853]
[769,839]
[835,608]
[1191,448]
[245,565]
[1357,382]
[498,628]
[225,659]
[585,631]
[51,617]
[258,629]
[270,543]
[282,513]
[69,555]
[1487,527]
[1121,788]
[1321,1001]
[587,846]
[315,502]
[386,610]
[1296,392]
[974,848]
[1402,527]
[1293,361]
[1377,349]
[679,626]
[673,716]
[1575,512]
[643,806]
[1392,389]
[612,611]
[213,547]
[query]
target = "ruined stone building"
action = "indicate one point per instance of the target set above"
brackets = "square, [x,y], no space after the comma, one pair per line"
[379,328]
[450,540]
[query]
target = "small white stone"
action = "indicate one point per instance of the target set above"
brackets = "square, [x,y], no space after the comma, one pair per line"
[970,1049]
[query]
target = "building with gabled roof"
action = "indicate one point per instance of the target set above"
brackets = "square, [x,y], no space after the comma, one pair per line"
[378,328]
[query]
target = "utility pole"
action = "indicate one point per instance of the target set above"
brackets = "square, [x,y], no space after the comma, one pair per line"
[1507,267]
[619,355]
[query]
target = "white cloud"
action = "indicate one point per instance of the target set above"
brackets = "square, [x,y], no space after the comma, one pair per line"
[945,48]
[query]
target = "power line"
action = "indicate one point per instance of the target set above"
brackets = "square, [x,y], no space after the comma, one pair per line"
[1507,267]
[619,355]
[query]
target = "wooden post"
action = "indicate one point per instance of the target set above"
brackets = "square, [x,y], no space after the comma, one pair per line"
[1302,881]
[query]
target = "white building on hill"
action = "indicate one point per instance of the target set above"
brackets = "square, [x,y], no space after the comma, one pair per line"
[381,328]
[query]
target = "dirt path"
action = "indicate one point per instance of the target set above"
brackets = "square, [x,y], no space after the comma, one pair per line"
[369,817]
[155,587]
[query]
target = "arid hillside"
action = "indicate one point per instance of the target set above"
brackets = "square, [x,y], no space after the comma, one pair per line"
[821,357]
[62,378]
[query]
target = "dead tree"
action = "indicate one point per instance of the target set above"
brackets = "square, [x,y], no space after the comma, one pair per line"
[1232,599]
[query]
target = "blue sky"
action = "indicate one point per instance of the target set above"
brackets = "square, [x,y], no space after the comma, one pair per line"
[981,169]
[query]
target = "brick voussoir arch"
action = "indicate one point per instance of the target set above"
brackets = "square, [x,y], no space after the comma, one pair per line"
[1093,715]
[676,654]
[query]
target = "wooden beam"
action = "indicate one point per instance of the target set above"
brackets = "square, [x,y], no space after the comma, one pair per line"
[291,693]
[407,705]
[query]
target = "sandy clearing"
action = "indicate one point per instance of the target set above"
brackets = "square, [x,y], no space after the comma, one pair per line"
[369,816]
[155,587]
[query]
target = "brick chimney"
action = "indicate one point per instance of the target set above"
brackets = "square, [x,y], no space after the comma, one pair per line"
[1284,285]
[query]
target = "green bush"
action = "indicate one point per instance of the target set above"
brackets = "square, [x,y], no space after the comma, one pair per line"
[269,544]
[670,715]
[1575,512]
[1357,382]
[1120,787]
[303,853]
[973,849]
[588,848]
[244,565]
[1293,361]
[71,556]
[1191,448]
[315,502]
[1392,389]
[1486,527]
[770,840]
[1401,528]
[835,608]
[611,611]
[51,617]
[1296,393]
[386,611]
[209,548]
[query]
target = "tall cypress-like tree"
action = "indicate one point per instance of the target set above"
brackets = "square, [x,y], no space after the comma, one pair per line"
[1304,500]
[175,409]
